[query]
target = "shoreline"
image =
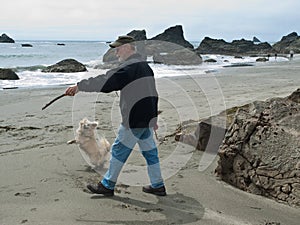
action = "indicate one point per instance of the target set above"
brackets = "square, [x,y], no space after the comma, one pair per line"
[204,69]
[43,178]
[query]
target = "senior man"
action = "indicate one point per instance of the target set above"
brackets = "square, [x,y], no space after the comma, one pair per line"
[138,104]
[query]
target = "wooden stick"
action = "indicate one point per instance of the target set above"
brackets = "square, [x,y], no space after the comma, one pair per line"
[53,101]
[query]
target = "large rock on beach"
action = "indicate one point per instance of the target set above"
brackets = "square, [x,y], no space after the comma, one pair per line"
[6,39]
[290,42]
[178,57]
[66,66]
[258,146]
[242,47]
[260,152]
[8,74]
[110,56]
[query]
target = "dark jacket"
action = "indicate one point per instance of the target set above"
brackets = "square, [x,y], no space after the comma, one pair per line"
[138,96]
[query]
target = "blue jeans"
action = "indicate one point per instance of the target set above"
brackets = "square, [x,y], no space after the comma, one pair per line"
[122,147]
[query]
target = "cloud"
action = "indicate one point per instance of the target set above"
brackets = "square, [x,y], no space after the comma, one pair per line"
[92,19]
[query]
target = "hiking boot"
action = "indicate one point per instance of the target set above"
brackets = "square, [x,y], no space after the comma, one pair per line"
[161,191]
[100,189]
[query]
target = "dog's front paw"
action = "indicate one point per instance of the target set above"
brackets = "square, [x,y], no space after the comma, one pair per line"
[71,142]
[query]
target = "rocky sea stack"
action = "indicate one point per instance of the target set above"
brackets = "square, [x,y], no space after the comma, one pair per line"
[5,39]
[169,47]
[288,43]
[240,47]
[173,35]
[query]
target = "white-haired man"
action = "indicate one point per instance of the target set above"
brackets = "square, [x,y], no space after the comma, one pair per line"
[138,103]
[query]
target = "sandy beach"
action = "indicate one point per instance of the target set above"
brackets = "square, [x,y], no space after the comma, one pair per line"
[43,179]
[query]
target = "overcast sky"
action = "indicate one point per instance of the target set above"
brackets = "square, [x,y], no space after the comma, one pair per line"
[268,20]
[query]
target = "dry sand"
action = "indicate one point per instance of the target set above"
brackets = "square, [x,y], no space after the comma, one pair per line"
[43,179]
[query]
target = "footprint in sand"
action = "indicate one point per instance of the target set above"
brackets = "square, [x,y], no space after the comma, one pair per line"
[24,194]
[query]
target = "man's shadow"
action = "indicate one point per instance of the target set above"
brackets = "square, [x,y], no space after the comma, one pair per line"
[176,208]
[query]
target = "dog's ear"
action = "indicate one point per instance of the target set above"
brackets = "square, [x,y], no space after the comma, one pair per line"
[83,121]
[94,124]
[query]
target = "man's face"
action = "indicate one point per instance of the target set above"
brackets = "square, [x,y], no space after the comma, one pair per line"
[123,52]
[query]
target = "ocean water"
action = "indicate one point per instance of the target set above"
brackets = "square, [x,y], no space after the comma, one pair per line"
[28,62]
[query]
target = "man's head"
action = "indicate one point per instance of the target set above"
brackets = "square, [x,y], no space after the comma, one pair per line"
[124,47]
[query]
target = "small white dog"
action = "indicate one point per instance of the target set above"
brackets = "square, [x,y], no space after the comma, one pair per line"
[97,152]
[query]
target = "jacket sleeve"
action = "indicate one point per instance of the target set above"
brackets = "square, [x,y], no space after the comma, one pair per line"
[113,80]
